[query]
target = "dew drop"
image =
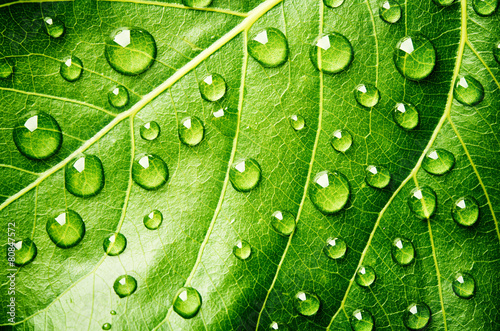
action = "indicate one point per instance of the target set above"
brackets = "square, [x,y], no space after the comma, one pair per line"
[307,304]
[54,27]
[25,251]
[283,222]
[464,285]
[37,136]
[297,122]
[225,120]
[112,312]
[444,3]
[366,95]
[277,326]
[149,171]
[269,47]
[191,131]
[106,326]
[362,320]
[341,140]
[187,302]
[212,87]
[150,131]
[66,229]
[245,175]
[405,115]
[403,251]
[125,285]
[390,11]
[438,161]
[335,52]
[114,244]
[84,176]
[496,52]
[484,7]
[6,69]
[71,68]
[417,316]
[468,91]
[333,3]
[335,248]
[465,211]
[118,97]
[130,51]
[415,57]
[153,220]
[365,276]
[197,3]
[242,250]
[422,202]
[329,191]
[377,176]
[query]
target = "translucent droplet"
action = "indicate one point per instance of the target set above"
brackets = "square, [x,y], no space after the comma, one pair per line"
[71,68]
[197,3]
[187,302]
[37,136]
[377,176]
[130,51]
[66,229]
[54,27]
[496,51]
[362,320]
[444,3]
[283,222]
[366,95]
[84,176]
[191,131]
[307,304]
[245,174]
[405,115]
[212,87]
[484,7]
[242,250]
[403,251]
[335,52]
[422,202]
[417,316]
[24,252]
[329,191]
[106,326]
[278,326]
[125,285]
[464,285]
[365,276]
[114,244]
[6,69]
[468,91]
[465,211]
[225,120]
[150,131]
[153,220]
[438,161]
[390,11]
[415,57]
[333,3]
[297,122]
[341,140]
[335,248]
[112,312]
[149,171]
[118,97]
[269,47]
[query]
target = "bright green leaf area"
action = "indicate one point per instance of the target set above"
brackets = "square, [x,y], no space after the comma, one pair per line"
[203,216]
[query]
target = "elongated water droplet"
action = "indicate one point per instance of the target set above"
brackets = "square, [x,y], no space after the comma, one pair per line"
[106,326]
[118,97]
[153,220]
[306,303]
[341,140]
[187,302]
[464,285]
[6,69]
[125,285]
[484,7]
[269,47]
[465,211]
[191,131]
[225,120]
[130,51]
[496,51]
[71,68]
[242,250]
[405,115]
[278,326]
[366,95]
[468,91]
[335,248]
[212,87]
[329,191]
[283,222]
[54,27]
[390,11]
[403,251]
[377,176]
[438,161]
[365,276]
[197,3]
[333,3]
[112,312]
[84,176]
[114,244]
[444,3]
[362,320]
[297,122]
[335,52]
[415,57]
[37,135]
[150,131]
[422,202]
[22,252]
[417,316]
[245,174]
[66,229]
[149,171]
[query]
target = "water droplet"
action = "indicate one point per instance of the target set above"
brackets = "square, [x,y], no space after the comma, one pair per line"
[283,222]
[225,120]
[464,285]
[329,191]
[66,229]
[405,115]
[37,136]
[71,68]
[390,11]
[377,176]
[333,3]
[54,27]
[6,69]
[24,252]
[130,51]
[114,244]
[422,202]
[112,312]
[365,276]
[245,174]
[468,91]
[417,316]
[242,250]
[307,304]
[212,87]
[438,161]
[415,57]
[496,51]
[403,251]
[269,47]
[362,320]
[341,140]
[465,211]
[197,3]
[84,176]
[125,285]
[366,95]
[150,131]
[444,3]
[297,122]
[485,7]
[187,302]
[106,326]
[149,171]
[191,131]
[335,248]
[335,51]
[153,220]
[118,96]
[277,326]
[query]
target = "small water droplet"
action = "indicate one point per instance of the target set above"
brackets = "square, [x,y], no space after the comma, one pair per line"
[114,244]
[37,135]
[468,91]
[225,120]
[362,320]
[465,211]
[367,95]
[150,131]
[496,51]
[335,51]
[6,69]
[84,176]
[125,285]
[187,302]
[277,326]
[377,176]
[438,161]
[24,252]
[66,229]
[403,251]
[191,131]
[333,3]
[54,27]
[444,3]
[464,285]
[149,171]
[118,97]
[106,326]
[242,250]
[283,222]
[269,47]
[335,248]
[153,220]
[329,191]
[212,87]
[485,7]
[297,122]
[245,174]
[341,140]
[71,68]
[307,304]
[422,202]
[390,11]
[112,312]
[130,51]
[197,3]
[415,57]
[417,316]
[365,276]
[405,115]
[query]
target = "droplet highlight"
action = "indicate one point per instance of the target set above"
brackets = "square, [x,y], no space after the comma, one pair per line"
[71,68]
[331,53]
[329,191]
[150,131]
[365,276]
[66,229]
[468,91]
[54,27]
[341,140]
[390,11]
[118,97]
[406,116]
[212,87]
[283,222]
[403,251]
[335,248]
[415,57]
[242,250]
[114,244]
[24,251]
[464,285]
[465,211]
[125,285]
[377,176]
[417,316]
[297,122]
[269,47]
[307,304]
[191,131]
[149,172]
[245,174]
[84,176]
[366,95]
[153,220]
[362,320]
[438,161]
[422,202]
[187,302]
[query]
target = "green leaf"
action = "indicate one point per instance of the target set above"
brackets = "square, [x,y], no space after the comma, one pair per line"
[211,207]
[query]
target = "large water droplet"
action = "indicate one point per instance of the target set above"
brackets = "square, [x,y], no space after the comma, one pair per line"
[225,120]
[153,220]
[422,202]
[365,276]
[417,316]
[465,211]
[341,140]
[125,285]
[84,176]
[212,87]
[6,69]
[54,27]
[444,3]
[333,3]
[366,95]
[377,176]
[71,68]
[335,52]
[130,51]
[329,191]
[403,251]
[438,161]
[24,252]
[150,172]
[307,304]
[269,47]
[66,229]
[390,11]
[464,285]
[242,250]
[191,131]
[197,3]
[114,244]
[496,51]
[468,91]
[484,7]
[187,302]
[415,57]
[150,131]
[297,122]
[405,115]
[335,248]
[106,326]
[245,174]
[37,136]
[283,222]
[362,320]
[118,97]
